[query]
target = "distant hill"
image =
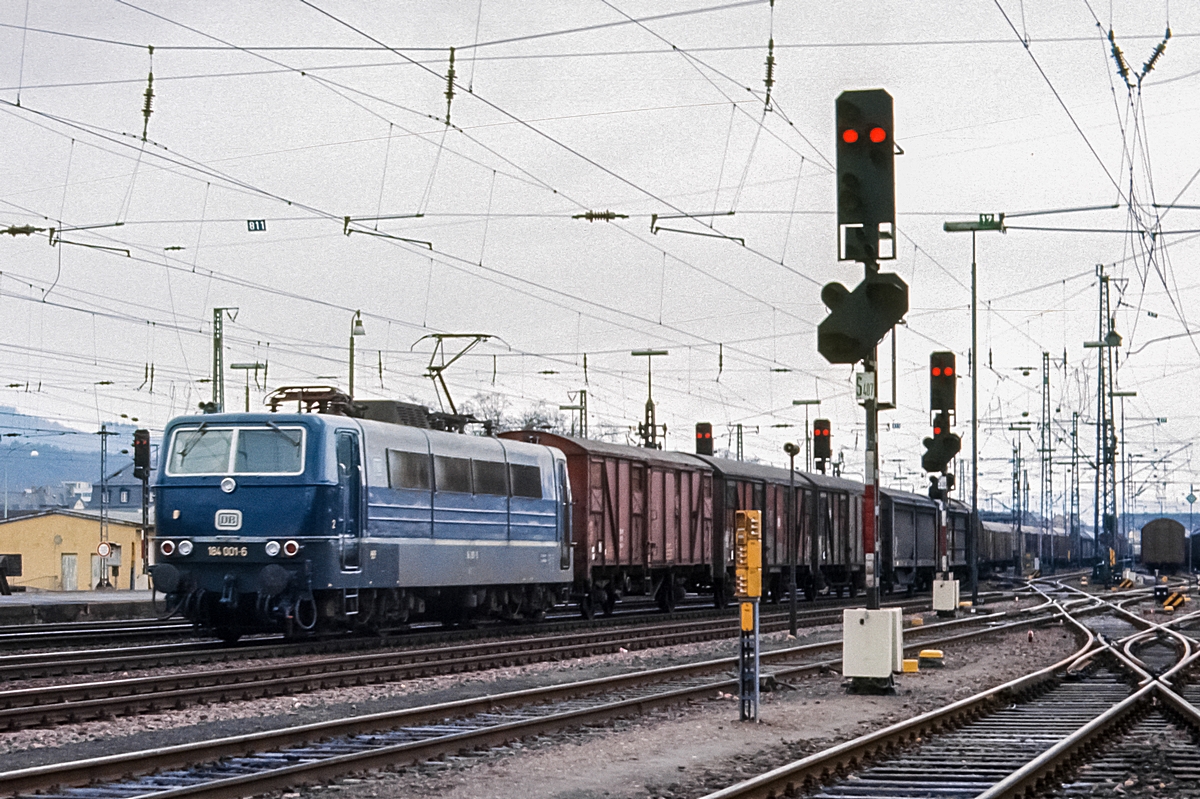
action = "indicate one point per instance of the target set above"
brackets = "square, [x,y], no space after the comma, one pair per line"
[64,453]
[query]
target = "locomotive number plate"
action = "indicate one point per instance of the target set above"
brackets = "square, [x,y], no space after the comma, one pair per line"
[228,520]
[227,552]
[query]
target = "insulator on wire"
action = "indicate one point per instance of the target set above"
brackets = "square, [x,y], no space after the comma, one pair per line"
[1119,57]
[1158,51]
[770,79]
[599,216]
[148,101]
[449,85]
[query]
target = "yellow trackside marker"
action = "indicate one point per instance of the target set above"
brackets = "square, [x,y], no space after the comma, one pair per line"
[911,666]
[747,616]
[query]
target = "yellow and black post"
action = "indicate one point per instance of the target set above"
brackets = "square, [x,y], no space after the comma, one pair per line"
[748,559]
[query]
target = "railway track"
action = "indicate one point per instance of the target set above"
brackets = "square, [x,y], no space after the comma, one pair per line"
[64,704]
[276,759]
[32,666]
[79,633]
[1091,723]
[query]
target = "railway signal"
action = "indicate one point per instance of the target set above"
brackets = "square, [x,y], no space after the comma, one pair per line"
[859,319]
[943,381]
[141,454]
[822,446]
[704,439]
[942,448]
[866,183]
[748,581]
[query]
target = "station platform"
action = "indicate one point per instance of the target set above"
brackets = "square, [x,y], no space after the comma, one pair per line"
[56,607]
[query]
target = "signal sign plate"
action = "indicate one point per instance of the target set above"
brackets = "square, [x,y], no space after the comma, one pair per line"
[104,549]
[256,225]
[864,386]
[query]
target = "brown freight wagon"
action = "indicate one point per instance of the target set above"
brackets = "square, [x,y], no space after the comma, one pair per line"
[826,527]
[1163,545]
[642,521]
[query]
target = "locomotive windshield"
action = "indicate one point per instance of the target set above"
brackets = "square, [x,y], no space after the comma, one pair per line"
[237,450]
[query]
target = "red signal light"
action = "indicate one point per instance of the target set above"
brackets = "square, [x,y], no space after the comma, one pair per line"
[937,431]
[949,371]
[850,135]
[937,372]
[877,135]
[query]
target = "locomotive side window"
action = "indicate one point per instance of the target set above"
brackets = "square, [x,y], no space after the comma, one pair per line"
[490,478]
[200,451]
[526,481]
[408,469]
[452,474]
[271,451]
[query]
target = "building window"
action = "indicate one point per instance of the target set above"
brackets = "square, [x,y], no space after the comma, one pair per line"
[124,496]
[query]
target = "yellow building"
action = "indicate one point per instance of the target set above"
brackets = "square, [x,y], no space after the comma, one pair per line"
[59,550]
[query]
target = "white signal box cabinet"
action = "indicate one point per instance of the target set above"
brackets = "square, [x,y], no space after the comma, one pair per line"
[872,642]
[945,595]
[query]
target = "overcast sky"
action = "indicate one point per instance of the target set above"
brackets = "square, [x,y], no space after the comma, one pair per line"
[304,113]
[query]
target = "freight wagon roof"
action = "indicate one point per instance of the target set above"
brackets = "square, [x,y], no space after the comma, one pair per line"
[906,496]
[758,471]
[1163,525]
[586,446]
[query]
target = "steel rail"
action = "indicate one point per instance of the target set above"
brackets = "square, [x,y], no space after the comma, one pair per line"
[787,779]
[815,768]
[49,705]
[32,666]
[117,767]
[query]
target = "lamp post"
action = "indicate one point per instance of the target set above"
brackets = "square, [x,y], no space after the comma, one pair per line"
[356,329]
[807,431]
[793,540]
[985,222]
[246,367]
[1124,537]
[1191,500]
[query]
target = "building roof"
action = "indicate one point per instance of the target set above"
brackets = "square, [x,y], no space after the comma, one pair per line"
[125,518]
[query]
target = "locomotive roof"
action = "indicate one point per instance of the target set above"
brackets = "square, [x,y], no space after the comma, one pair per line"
[260,417]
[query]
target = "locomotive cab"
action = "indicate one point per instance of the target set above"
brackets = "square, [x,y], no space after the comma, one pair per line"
[252,509]
[321,522]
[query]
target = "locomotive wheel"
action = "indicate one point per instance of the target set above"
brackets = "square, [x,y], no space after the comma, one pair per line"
[229,635]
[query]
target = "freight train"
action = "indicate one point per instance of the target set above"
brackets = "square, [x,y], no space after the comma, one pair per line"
[1164,545]
[364,517]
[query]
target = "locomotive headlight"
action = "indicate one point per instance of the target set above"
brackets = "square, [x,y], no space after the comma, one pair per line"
[167,548]
[290,548]
[185,548]
[272,548]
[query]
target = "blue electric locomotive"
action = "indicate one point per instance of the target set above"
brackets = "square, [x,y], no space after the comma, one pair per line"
[320,522]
